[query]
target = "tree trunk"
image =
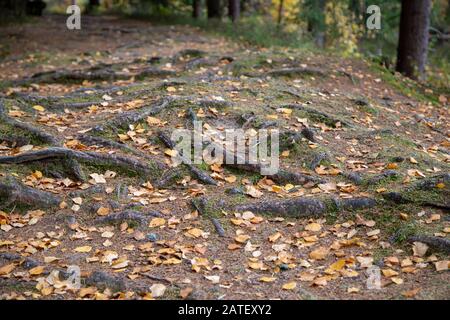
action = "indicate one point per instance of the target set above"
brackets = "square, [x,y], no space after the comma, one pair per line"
[214,8]
[12,8]
[280,11]
[413,38]
[196,8]
[234,9]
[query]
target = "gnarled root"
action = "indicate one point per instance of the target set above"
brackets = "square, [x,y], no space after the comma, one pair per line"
[14,192]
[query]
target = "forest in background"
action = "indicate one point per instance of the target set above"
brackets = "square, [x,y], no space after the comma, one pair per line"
[337,27]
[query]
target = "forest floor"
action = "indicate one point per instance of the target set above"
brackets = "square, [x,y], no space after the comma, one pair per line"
[86,177]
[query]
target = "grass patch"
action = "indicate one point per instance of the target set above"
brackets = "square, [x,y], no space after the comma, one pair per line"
[408,87]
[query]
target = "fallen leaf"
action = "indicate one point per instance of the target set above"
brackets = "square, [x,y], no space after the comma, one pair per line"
[6,269]
[103,211]
[267,279]
[157,222]
[441,265]
[313,227]
[36,271]
[184,293]
[213,279]
[83,249]
[289,286]
[319,253]
[157,290]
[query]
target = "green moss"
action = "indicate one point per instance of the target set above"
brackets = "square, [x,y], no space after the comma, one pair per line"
[380,253]
[426,196]
[332,210]
[404,85]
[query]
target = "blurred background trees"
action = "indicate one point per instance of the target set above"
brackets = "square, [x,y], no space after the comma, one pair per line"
[336,25]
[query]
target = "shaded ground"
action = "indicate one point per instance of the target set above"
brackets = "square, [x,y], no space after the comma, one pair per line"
[346,134]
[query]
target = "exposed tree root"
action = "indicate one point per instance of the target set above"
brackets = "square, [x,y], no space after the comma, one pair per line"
[306,207]
[197,173]
[354,177]
[308,134]
[93,140]
[35,132]
[299,207]
[96,73]
[89,191]
[437,243]
[282,176]
[103,280]
[189,52]
[432,191]
[388,174]
[130,117]
[317,159]
[95,158]
[320,116]
[127,215]
[291,72]
[200,206]
[169,177]
[14,192]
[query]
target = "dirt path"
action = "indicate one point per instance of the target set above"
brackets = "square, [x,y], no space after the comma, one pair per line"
[87,181]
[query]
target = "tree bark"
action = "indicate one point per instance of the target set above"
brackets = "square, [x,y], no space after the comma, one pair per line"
[413,38]
[280,12]
[196,9]
[234,10]
[12,8]
[214,8]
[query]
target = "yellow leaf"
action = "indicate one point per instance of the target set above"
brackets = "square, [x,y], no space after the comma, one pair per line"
[338,265]
[37,174]
[274,237]
[397,280]
[242,238]
[83,249]
[230,179]
[195,232]
[36,270]
[157,222]
[389,273]
[267,279]
[313,227]
[440,185]
[39,108]
[392,165]
[87,292]
[290,285]
[318,254]
[103,211]
[170,152]
[6,269]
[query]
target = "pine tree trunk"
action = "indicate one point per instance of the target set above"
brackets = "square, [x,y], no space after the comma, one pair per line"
[196,8]
[12,8]
[214,8]
[280,12]
[234,8]
[413,38]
